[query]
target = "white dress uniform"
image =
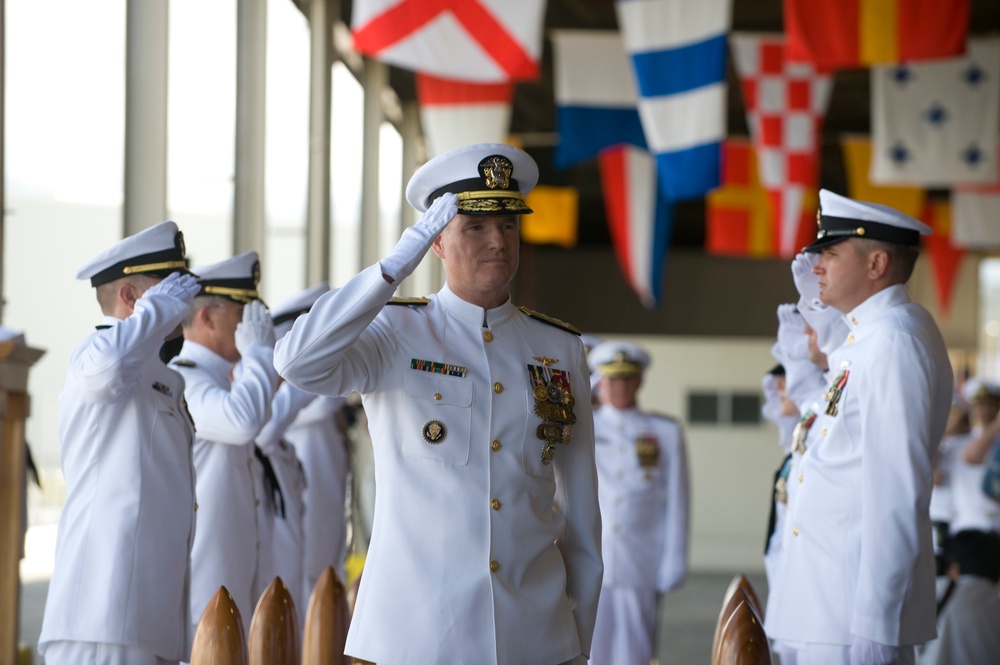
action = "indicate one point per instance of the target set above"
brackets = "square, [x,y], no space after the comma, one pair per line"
[480,552]
[122,563]
[229,415]
[288,539]
[645,517]
[860,561]
[322,448]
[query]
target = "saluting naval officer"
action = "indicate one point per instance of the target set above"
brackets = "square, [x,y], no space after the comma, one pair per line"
[643,488]
[486,538]
[119,589]
[859,584]
[228,324]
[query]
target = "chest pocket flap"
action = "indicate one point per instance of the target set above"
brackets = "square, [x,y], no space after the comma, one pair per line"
[437,421]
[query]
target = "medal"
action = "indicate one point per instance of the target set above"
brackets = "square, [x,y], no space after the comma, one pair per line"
[554,404]
[647,447]
[801,431]
[834,393]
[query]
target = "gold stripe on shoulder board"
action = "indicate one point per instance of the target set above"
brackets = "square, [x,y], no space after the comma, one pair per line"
[418,302]
[549,320]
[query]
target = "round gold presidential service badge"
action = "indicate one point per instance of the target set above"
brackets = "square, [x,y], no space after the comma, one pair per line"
[434,432]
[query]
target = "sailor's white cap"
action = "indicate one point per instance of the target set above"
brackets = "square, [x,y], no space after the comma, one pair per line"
[236,278]
[840,218]
[156,251]
[617,359]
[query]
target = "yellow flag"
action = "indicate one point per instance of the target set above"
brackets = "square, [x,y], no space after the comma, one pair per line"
[857,160]
[554,220]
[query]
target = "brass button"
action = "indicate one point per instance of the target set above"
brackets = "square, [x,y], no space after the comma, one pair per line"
[498,387]
[496,504]
[196,505]
[850,339]
[801,478]
[496,445]
[822,432]
[437,395]
[795,532]
[488,336]
[494,566]
[854,321]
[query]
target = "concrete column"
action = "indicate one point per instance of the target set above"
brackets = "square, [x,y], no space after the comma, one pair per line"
[320,14]
[251,89]
[376,77]
[409,131]
[145,114]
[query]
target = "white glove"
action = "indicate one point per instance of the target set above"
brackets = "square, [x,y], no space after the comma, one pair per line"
[770,410]
[176,285]
[793,343]
[417,239]
[256,329]
[864,652]
[805,280]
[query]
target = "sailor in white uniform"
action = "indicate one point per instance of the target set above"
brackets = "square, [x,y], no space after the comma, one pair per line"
[227,324]
[486,541]
[643,487]
[318,435]
[966,463]
[860,562]
[119,589]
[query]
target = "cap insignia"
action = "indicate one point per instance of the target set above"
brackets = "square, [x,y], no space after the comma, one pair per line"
[496,171]
[179,242]
[256,272]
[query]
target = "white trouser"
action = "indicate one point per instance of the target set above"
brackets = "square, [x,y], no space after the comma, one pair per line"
[99,653]
[625,627]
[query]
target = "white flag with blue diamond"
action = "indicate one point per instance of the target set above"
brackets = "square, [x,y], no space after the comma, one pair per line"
[936,124]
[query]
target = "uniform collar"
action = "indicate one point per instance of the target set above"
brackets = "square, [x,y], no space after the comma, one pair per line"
[473,314]
[110,321]
[205,358]
[877,306]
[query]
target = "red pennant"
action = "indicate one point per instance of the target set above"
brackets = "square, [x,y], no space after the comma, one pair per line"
[945,257]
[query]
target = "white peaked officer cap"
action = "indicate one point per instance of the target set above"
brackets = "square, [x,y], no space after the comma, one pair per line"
[285,313]
[976,390]
[236,278]
[487,178]
[156,251]
[616,359]
[840,218]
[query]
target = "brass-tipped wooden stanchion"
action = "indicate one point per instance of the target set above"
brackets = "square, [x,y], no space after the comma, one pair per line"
[743,641]
[327,621]
[274,631]
[220,639]
[740,590]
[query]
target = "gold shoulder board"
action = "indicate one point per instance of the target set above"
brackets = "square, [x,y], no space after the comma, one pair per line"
[184,363]
[418,302]
[562,325]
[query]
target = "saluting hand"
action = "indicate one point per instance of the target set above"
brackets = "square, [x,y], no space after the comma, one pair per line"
[417,239]
[176,285]
[256,329]
[806,281]
[793,344]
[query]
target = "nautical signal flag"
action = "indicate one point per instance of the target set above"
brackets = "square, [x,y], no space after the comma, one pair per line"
[837,34]
[639,218]
[935,124]
[469,40]
[785,104]
[595,95]
[976,220]
[678,52]
[857,151]
[456,113]
[740,218]
[945,257]
[555,217]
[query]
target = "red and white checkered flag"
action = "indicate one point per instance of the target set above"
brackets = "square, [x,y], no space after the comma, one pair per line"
[785,105]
